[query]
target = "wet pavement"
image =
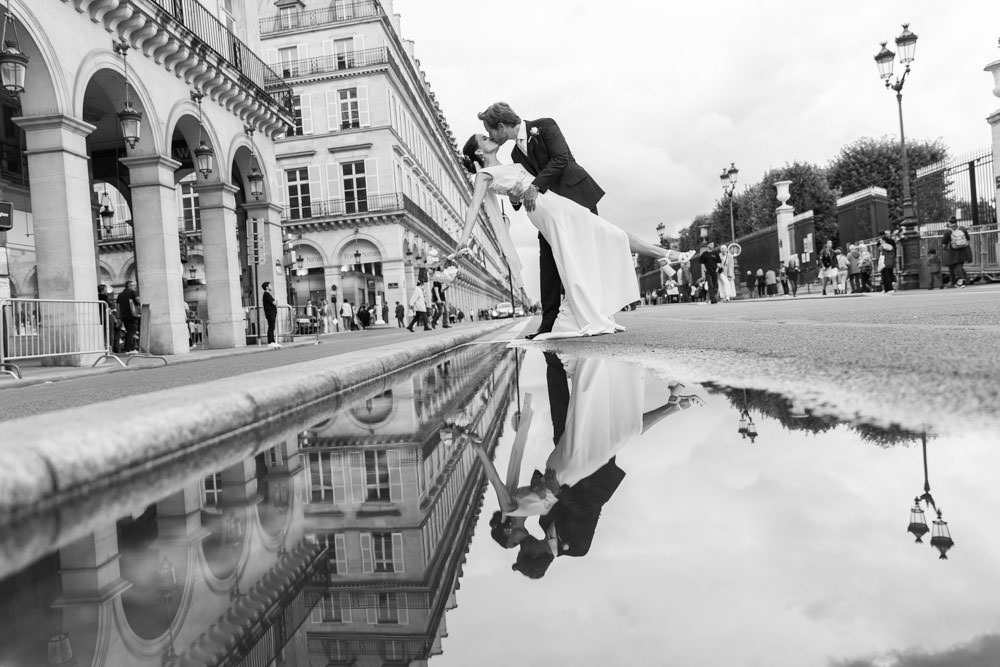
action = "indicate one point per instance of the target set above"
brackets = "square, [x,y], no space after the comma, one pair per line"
[681,524]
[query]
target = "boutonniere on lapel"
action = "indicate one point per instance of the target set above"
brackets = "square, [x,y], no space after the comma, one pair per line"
[532,133]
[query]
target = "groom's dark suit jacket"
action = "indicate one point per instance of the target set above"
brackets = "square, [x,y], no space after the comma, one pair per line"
[578,509]
[552,164]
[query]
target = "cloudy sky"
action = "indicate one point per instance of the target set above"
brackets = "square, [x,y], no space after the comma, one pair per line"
[656,98]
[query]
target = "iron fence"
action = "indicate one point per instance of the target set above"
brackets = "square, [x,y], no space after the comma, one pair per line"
[392,201]
[963,187]
[336,13]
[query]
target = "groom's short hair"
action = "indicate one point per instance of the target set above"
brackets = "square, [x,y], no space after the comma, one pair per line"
[499,112]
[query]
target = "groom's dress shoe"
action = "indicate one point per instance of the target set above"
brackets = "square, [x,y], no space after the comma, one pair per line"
[532,335]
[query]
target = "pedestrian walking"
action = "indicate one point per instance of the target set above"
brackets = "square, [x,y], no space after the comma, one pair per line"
[418,304]
[128,311]
[751,284]
[843,265]
[887,261]
[324,311]
[854,268]
[270,313]
[783,279]
[761,282]
[710,260]
[363,316]
[828,266]
[400,315]
[957,242]
[792,271]
[347,315]
[933,264]
[865,266]
[771,282]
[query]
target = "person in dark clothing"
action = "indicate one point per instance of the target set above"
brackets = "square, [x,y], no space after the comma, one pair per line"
[270,313]
[128,311]
[956,242]
[364,316]
[792,271]
[887,261]
[710,260]
[438,299]
[109,317]
[400,315]
[933,269]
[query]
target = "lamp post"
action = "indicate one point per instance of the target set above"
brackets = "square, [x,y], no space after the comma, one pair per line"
[906,42]
[728,178]
[940,535]
[745,426]
[166,586]
[129,119]
[703,231]
[203,153]
[13,63]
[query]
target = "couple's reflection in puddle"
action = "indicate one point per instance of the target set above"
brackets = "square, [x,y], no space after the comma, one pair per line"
[596,408]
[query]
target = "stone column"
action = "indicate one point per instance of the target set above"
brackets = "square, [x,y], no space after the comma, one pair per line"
[158,251]
[271,265]
[395,271]
[994,120]
[784,214]
[226,324]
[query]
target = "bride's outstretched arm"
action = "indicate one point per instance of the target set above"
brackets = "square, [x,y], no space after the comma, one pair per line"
[507,503]
[472,213]
[646,248]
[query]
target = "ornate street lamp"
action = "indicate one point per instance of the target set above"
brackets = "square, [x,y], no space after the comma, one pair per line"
[940,535]
[660,231]
[13,63]
[107,213]
[300,264]
[60,650]
[254,178]
[129,119]
[203,154]
[728,179]
[703,231]
[906,42]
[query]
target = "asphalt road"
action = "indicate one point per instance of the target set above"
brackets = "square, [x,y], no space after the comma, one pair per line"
[919,359]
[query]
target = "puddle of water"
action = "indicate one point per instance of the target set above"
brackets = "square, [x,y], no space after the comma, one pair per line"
[699,543]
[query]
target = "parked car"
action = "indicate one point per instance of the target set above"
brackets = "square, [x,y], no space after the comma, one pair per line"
[503,310]
[518,311]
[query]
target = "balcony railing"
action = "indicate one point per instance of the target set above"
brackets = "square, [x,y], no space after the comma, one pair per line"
[392,201]
[338,13]
[206,28]
[337,62]
[119,231]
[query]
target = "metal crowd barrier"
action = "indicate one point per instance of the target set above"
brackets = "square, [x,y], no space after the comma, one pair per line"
[284,323]
[50,328]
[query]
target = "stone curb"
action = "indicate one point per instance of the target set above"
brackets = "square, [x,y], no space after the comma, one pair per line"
[52,457]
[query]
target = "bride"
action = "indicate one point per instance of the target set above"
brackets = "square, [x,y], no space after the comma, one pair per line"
[594,257]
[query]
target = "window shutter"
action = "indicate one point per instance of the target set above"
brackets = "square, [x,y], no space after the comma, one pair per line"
[371,176]
[367,555]
[357,477]
[403,612]
[327,47]
[345,605]
[363,113]
[332,111]
[395,476]
[333,180]
[398,566]
[340,551]
[315,187]
[371,608]
[338,478]
[283,194]
[306,111]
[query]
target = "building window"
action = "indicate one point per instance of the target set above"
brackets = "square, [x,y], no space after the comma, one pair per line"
[288,59]
[390,609]
[327,478]
[382,553]
[297,116]
[299,201]
[330,608]
[212,490]
[288,18]
[355,187]
[376,476]
[343,49]
[350,110]
[190,210]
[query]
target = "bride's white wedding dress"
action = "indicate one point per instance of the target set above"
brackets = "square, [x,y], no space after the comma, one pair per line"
[593,257]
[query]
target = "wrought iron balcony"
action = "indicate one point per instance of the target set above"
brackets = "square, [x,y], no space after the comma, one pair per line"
[331,208]
[288,21]
[291,69]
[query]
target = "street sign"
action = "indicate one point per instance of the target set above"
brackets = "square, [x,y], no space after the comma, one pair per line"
[734,249]
[6,216]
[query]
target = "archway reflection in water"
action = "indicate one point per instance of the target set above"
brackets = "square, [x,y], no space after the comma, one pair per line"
[666,527]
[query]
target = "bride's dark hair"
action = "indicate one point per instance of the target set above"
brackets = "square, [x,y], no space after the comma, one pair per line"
[469,157]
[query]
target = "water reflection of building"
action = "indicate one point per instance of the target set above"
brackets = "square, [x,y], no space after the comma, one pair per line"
[214,573]
[394,499]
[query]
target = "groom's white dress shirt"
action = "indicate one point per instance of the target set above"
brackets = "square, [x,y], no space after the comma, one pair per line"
[522,137]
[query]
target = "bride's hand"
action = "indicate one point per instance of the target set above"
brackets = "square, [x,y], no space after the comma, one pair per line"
[529,197]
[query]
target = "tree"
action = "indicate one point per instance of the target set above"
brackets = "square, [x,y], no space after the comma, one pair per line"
[868,162]
[810,191]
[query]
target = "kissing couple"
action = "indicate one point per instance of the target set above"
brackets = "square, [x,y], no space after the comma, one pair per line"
[585,262]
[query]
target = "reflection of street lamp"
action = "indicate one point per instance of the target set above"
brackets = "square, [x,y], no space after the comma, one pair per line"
[745,426]
[166,586]
[60,650]
[940,535]
[906,43]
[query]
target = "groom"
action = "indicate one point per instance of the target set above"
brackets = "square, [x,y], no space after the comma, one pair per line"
[542,150]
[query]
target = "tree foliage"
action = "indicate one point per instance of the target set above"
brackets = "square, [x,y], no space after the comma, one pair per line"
[868,162]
